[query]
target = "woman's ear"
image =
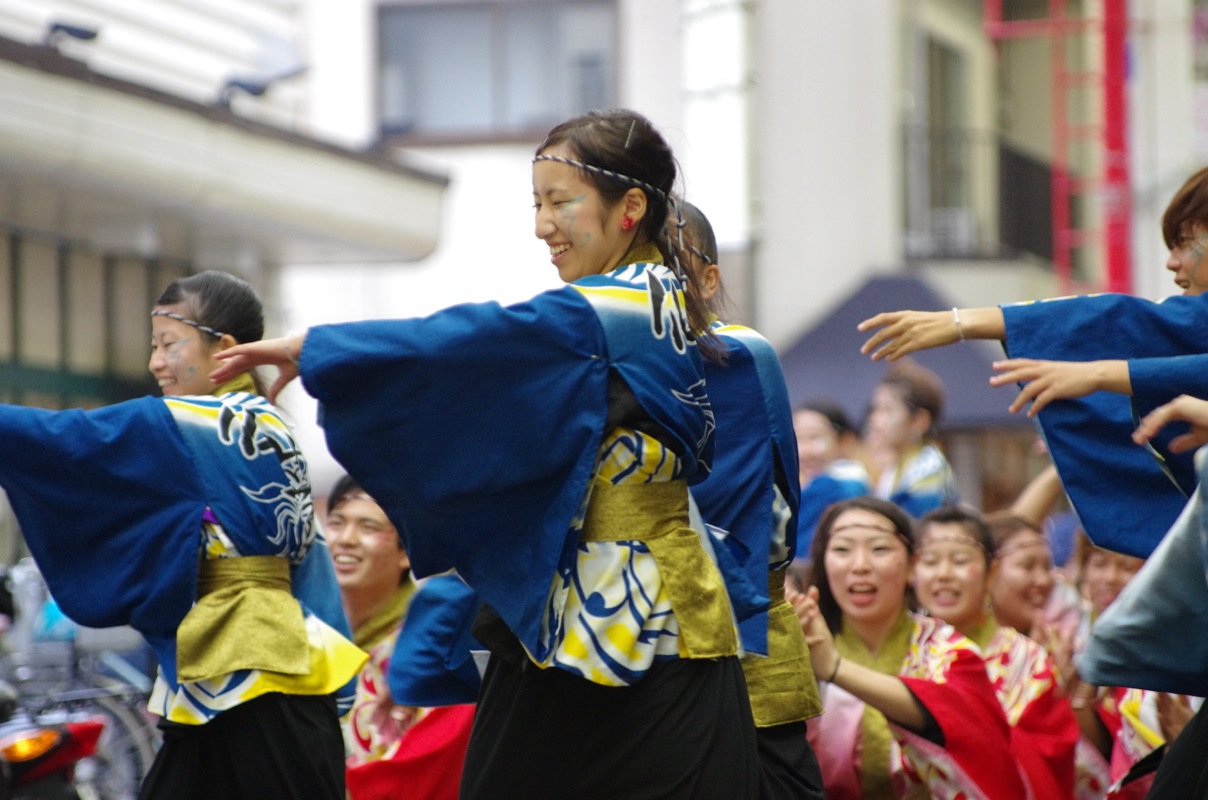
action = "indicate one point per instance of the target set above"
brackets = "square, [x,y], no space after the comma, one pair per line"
[921,422]
[710,281]
[227,341]
[633,204]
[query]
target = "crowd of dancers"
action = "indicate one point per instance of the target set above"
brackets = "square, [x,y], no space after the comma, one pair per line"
[586,548]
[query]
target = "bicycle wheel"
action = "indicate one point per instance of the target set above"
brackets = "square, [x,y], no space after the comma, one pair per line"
[125,751]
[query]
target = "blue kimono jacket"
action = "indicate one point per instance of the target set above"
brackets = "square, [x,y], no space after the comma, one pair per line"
[433,663]
[1126,496]
[477,428]
[756,453]
[112,502]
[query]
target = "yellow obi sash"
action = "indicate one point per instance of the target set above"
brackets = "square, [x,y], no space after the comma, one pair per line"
[244,618]
[656,514]
[782,685]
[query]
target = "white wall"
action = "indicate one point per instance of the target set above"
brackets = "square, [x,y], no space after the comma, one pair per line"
[1165,128]
[826,165]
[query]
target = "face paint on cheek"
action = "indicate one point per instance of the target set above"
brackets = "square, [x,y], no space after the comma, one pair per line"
[1195,257]
[570,214]
[174,359]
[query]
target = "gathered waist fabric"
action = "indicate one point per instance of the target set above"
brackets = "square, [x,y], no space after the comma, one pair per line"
[781,685]
[656,514]
[245,618]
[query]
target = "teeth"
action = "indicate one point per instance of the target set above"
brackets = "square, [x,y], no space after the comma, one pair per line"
[165,381]
[559,249]
[346,560]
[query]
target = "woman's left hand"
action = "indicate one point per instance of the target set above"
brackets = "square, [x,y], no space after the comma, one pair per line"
[823,654]
[1046,381]
[282,353]
[391,720]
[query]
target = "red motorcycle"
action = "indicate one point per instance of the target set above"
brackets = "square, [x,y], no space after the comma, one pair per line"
[46,756]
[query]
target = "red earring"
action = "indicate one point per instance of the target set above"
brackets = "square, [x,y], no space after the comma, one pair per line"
[626,223]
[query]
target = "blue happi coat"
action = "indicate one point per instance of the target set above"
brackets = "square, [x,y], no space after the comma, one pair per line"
[477,428]
[755,453]
[111,503]
[1126,496]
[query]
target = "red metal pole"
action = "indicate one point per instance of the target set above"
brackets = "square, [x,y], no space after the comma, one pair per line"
[1060,212]
[1117,194]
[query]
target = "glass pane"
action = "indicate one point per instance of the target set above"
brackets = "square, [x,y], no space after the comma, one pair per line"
[6,299]
[559,62]
[436,69]
[587,42]
[533,52]
[40,340]
[478,68]
[131,318]
[85,314]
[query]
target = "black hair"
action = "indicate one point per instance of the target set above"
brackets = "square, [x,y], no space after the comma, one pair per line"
[817,577]
[626,145]
[973,523]
[220,302]
[832,411]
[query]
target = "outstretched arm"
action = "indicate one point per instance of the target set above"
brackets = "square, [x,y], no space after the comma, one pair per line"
[1046,381]
[1038,498]
[899,333]
[1191,410]
[886,693]
[282,353]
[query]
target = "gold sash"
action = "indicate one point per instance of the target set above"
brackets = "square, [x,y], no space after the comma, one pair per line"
[782,685]
[244,618]
[657,514]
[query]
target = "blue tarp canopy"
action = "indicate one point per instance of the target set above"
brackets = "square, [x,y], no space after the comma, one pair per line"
[826,361]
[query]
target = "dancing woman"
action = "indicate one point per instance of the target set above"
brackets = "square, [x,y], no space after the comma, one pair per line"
[544,450]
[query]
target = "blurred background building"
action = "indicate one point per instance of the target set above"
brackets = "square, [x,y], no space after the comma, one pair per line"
[370,158]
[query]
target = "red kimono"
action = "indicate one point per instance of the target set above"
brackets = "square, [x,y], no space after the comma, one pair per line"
[864,756]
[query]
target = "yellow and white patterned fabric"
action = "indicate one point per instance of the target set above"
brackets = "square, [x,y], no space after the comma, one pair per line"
[614,614]
[332,659]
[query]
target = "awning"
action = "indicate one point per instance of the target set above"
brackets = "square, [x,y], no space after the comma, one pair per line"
[131,169]
[826,361]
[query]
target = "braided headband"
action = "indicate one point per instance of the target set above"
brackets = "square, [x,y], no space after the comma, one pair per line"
[161,313]
[699,255]
[601,171]
[679,217]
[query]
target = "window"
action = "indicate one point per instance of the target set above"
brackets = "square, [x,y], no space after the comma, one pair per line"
[491,69]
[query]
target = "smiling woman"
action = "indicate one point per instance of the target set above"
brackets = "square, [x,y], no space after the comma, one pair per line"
[952,577]
[189,517]
[909,707]
[544,451]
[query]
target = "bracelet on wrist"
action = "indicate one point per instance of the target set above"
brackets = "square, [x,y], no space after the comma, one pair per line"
[835,671]
[956,317]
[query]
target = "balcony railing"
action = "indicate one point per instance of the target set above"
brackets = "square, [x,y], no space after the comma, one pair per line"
[970,195]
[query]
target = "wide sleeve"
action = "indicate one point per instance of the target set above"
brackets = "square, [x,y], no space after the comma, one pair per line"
[1125,498]
[110,503]
[1044,740]
[476,429]
[958,695]
[432,663]
[1159,380]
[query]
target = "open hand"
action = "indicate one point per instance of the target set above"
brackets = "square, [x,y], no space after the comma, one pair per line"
[1046,381]
[899,333]
[1191,410]
[281,353]
[823,654]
